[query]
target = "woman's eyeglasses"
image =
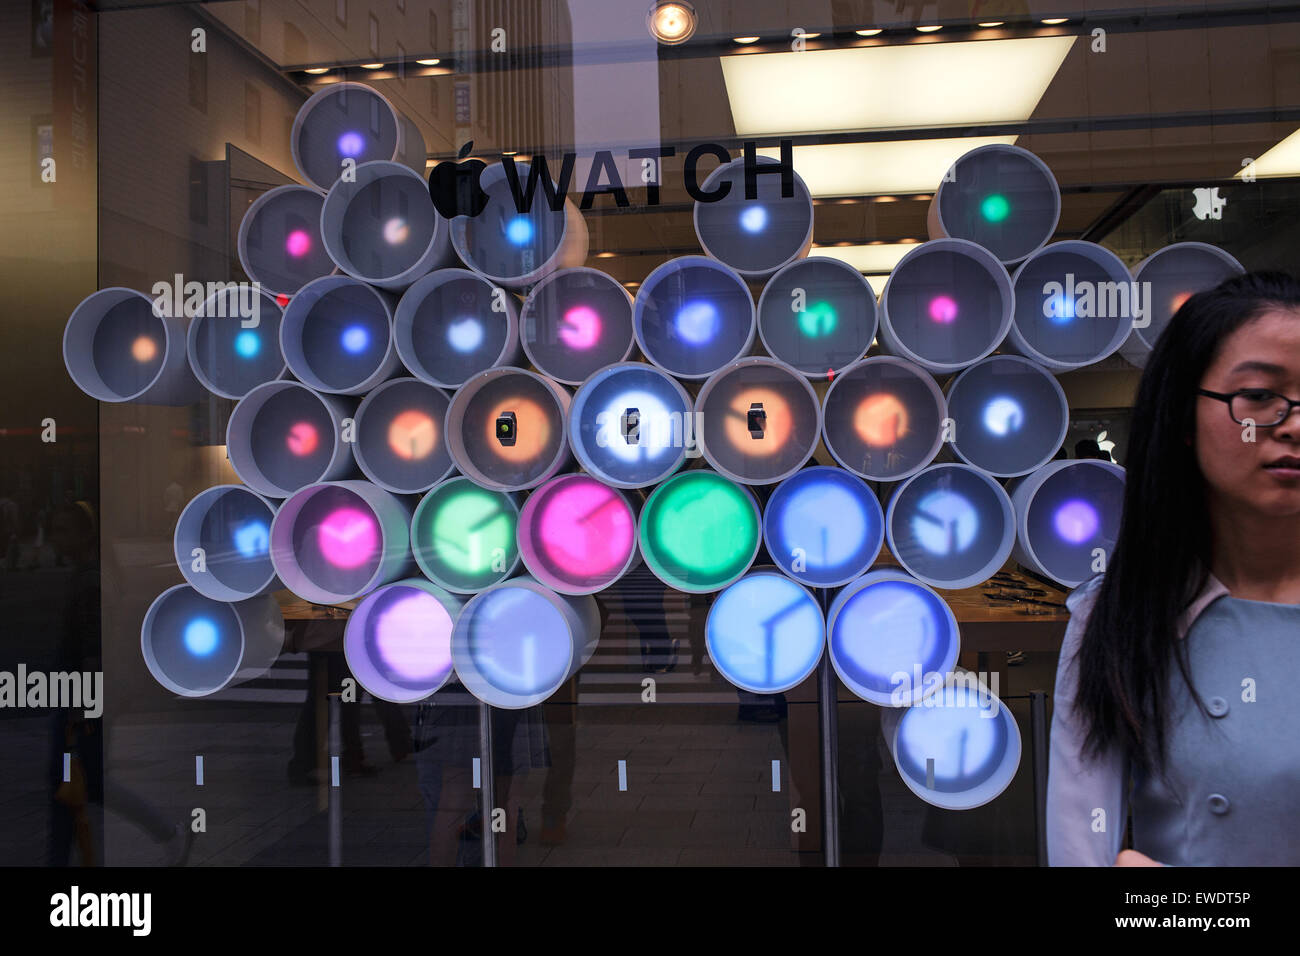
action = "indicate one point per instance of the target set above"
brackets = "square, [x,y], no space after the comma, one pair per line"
[1263,408]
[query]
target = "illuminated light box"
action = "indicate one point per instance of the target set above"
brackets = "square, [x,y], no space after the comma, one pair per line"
[279,242]
[453,324]
[382,228]
[1002,197]
[352,121]
[516,643]
[888,632]
[1011,415]
[699,531]
[336,336]
[523,454]
[823,526]
[757,236]
[630,423]
[882,418]
[948,303]
[227,358]
[765,633]
[334,541]
[575,322]
[195,646]
[517,249]
[232,526]
[398,640]
[1074,305]
[693,315]
[1067,518]
[1175,274]
[283,436]
[959,748]
[952,526]
[116,349]
[761,421]
[817,315]
[464,536]
[577,535]
[400,442]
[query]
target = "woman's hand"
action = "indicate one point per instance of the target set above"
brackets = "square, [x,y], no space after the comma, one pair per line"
[1134,858]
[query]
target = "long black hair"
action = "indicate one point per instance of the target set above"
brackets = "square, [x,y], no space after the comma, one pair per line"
[1161,559]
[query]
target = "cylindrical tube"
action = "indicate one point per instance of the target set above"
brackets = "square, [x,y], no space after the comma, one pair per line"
[223,543]
[693,315]
[952,526]
[575,322]
[947,303]
[882,418]
[1067,518]
[334,541]
[1165,280]
[577,535]
[1075,305]
[380,226]
[959,748]
[351,123]
[818,315]
[888,633]
[453,324]
[755,235]
[400,442]
[700,531]
[1009,415]
[516,643]
[398,640]
[279,243]
[765,633]
[283,436]
[1002,197]
[630,425]
[506,429]
[464,536]
[118,348]
[195,646]
[337,336]
[761,420]
[234,345]
[823,526]
[513,246]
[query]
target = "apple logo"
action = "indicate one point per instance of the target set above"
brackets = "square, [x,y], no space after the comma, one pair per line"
[1105,444]
[454,186]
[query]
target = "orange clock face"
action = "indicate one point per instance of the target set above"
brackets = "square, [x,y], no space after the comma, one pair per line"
[412,435]
[777,430]
[880,420]
[533,430]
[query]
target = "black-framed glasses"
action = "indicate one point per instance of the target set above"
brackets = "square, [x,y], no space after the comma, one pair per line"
[1264,408]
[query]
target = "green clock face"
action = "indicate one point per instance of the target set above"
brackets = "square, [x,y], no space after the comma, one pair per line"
[465,535]
[699,531]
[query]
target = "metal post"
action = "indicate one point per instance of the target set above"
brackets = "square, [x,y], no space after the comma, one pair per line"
[828,718]
[1038,736]
[335,790]
[487,783]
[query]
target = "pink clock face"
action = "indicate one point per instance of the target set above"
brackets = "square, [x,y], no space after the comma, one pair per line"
[349,537]
[302,439]
[580,328]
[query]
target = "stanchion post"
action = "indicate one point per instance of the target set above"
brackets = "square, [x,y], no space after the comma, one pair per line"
[828,720]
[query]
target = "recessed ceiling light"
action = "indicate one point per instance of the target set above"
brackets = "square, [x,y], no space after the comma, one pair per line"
[372,66]
[746,39]
[811,36]
[430,62]
[887,168]
[671,21]
[317,70]
[1281,160]
[604,255]
[1054,21]
[992,23]
[509,152]
[885,199]
[929,29]
[868,33]
[961,83]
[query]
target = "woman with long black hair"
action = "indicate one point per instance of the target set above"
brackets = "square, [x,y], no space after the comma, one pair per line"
[1175,692]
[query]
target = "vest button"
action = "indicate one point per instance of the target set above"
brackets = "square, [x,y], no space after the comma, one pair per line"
[1218,803]
[1217,706]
